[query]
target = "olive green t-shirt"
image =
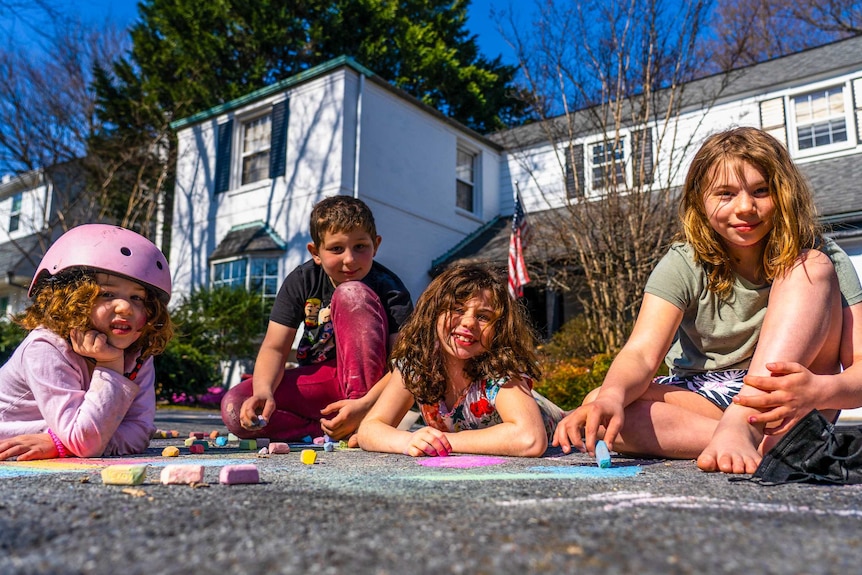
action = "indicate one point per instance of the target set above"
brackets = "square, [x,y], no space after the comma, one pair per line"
[718,334]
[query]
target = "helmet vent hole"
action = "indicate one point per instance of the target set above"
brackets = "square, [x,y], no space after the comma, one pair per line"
[159,265]
[126,251]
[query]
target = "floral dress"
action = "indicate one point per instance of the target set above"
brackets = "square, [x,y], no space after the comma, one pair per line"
[476,409]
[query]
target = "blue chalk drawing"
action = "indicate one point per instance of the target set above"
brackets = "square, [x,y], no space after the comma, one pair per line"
[538,472]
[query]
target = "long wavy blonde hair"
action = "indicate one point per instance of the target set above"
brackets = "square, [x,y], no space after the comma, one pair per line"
[794,223]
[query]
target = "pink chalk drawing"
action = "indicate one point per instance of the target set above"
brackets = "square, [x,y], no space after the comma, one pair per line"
[461,461]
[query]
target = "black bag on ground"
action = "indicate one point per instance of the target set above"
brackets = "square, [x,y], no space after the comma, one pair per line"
[814,451]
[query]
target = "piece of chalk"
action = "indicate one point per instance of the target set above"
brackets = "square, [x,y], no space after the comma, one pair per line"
[214,434]
[170,451]
[124,474]
[262,441]
[603,456]
[232,437]
[197,434]
[328,446]
[205,444]
[196,448]
[308,456]
[249,444]
[260,421]
[263,451]
[188,441]
[319,440]
[221,440]
[277,447]
[182,474]
[235,474]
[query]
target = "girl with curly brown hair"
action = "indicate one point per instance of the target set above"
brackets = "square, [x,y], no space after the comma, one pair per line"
[466,356]
[82,382]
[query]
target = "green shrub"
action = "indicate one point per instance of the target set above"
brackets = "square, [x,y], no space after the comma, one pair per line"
[10,336]
[567,382]
[183,373]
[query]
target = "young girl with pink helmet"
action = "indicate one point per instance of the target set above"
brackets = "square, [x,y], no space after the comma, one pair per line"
[82,382]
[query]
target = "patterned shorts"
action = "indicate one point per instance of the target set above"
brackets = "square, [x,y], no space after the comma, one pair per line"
[717,386]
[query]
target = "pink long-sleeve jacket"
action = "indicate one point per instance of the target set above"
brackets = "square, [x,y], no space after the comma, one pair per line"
[46,385]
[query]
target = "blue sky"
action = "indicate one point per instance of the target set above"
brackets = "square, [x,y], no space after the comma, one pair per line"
[123,12]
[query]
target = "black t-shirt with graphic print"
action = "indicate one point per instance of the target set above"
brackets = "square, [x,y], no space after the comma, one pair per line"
[305,297]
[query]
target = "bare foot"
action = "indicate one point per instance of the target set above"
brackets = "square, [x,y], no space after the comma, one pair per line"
[732,449]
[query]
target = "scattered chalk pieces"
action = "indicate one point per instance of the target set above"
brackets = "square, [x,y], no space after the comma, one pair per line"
[236,474]
[318,441]
[308,456]
[197,434]
[603,456]
[182,474]
[248,444]
[124,474]
[196,448]
[170,451]
[188,441]
[214,434]
[221,441]
[328,446]
[277,447]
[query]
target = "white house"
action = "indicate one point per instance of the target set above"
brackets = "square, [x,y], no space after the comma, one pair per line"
[250,171]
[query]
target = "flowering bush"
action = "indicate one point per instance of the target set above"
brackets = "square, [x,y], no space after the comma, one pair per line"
[212,398]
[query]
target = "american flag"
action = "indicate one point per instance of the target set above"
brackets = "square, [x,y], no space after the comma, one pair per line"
[518,277]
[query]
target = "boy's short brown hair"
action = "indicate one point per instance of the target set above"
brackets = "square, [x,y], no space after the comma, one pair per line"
[340,214]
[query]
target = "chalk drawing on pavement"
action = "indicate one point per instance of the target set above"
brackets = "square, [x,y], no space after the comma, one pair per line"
[461,461]
[538,472]
[75,465]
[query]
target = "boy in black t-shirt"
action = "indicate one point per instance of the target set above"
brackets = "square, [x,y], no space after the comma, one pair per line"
[350,309]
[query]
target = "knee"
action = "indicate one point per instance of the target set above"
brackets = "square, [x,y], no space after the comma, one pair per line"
[812,269]
[354,296]
[591,396]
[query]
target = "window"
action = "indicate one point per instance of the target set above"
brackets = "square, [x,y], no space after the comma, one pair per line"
[820,118]
[256,138]
[257,275]
[15,212]
[261,153]
[608,164]
[465,180]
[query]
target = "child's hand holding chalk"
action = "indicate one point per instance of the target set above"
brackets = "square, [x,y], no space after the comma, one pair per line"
[603,456]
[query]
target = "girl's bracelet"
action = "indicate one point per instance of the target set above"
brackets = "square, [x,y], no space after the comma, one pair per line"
[61,451]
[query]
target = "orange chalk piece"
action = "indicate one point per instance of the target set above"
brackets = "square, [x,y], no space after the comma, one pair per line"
[182,474]
[214,434]
[236,474]
[124,474]
[308,456]
[170,451]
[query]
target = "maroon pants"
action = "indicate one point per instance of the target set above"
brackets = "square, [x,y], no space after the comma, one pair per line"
[361,332]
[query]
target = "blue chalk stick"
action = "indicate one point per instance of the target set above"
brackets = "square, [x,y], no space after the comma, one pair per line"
[603,456]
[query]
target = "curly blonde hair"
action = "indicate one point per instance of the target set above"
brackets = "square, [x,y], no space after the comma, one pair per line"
[65,302]
[794,223]
[418,354]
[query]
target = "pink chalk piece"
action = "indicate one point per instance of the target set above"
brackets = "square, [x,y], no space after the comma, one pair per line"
[196,448]
[236,474]
[461,461]
[277,447]
[182,474]
[318,440]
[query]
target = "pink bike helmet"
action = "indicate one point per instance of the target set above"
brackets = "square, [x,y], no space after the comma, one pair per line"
[108,249]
